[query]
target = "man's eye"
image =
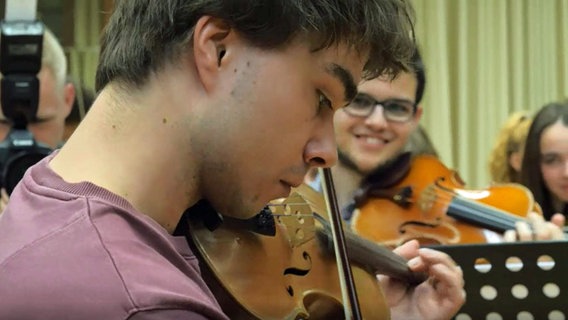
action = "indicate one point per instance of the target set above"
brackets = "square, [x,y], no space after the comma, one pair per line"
[361,103]
[323,102]
[398,108]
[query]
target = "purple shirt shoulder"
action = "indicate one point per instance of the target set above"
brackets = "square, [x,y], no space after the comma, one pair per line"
[78,251]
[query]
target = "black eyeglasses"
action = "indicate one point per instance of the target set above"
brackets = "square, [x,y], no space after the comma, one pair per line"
[395,110]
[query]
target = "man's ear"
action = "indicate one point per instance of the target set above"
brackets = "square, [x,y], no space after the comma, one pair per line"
[211,47]
[418,114]
[68,98]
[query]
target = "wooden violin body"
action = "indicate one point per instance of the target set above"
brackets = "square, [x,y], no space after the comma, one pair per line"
[431,205]
[287,276]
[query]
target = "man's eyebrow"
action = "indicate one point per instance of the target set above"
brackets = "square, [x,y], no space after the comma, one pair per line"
[368,96]
[346,78]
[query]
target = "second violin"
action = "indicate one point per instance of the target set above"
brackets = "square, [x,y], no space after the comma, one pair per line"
[429,203]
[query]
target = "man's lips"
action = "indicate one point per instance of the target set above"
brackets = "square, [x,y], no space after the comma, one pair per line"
[371,141]
[288,185]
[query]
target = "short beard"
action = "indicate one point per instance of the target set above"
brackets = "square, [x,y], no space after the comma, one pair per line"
[346,161]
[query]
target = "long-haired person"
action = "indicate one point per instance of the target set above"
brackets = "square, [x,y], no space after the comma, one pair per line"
[545,162]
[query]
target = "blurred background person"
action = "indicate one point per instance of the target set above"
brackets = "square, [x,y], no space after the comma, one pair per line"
[56,96]
[83,100]
[507,153]
[545,163]
[373,130]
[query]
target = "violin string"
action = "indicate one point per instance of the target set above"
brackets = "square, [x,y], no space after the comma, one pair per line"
[288,215]
[504,214]
[497,215]
[287,204]
[295,215]
[444,198]
[447,197]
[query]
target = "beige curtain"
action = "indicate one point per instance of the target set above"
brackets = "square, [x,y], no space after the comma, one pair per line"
[484,60]
[84,55]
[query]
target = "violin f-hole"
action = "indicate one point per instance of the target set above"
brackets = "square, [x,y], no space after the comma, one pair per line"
[403,226]
[298,271]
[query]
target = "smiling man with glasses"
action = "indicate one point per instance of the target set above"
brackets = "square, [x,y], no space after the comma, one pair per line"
[375,127]
[373,131]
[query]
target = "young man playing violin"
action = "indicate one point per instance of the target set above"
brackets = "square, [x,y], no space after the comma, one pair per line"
[373,131]
[202,99]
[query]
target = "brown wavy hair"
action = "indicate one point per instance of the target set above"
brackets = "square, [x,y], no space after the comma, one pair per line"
[531,175]
[143,35]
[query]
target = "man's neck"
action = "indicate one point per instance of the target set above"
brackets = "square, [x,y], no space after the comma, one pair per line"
[107,150]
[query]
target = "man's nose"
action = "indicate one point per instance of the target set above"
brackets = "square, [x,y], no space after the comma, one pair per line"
[377,118]
[323,155]
[321,151]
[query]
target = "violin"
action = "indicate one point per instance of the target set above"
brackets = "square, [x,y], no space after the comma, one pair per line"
[428,202]
[280,264]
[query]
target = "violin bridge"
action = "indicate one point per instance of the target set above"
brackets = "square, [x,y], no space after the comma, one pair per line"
[295,214]
[427,198]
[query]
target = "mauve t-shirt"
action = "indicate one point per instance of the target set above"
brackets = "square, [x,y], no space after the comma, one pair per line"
[78,251]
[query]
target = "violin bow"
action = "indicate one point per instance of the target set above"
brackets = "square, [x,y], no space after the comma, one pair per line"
[349,294]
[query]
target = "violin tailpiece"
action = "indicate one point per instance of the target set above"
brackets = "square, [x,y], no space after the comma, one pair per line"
[296,217]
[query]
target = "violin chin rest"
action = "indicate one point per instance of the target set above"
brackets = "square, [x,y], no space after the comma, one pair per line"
[322,306]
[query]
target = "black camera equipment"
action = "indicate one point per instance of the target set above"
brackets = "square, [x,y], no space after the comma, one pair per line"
[21,45]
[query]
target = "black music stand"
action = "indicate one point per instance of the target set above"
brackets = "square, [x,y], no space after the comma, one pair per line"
[513,280]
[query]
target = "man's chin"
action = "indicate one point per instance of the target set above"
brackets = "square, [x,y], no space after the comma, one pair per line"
[346,161]
[369,168]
